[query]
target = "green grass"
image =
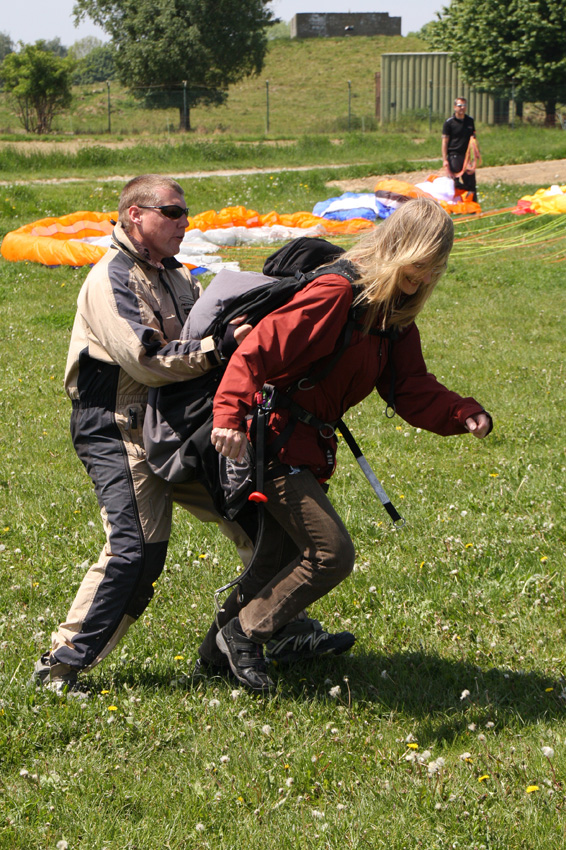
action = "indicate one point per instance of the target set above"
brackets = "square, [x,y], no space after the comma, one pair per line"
[468,597]
[308,93]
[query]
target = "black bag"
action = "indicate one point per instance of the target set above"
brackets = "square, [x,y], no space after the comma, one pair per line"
[178,420]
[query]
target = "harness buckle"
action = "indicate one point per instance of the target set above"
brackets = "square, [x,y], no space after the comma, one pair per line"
[327,431]
[265,398]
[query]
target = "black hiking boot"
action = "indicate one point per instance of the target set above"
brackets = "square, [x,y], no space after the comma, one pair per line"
[244,657]
[303,639]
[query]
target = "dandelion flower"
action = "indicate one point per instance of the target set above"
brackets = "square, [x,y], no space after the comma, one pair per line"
[531,788]
[112,708]
[483,778]
[413,746]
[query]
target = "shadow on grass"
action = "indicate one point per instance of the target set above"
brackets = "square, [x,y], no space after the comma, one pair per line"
[432,690]
[420,685]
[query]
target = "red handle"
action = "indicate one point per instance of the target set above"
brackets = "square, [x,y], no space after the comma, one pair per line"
[256,496]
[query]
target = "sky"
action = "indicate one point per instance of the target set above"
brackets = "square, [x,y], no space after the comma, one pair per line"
[29,20]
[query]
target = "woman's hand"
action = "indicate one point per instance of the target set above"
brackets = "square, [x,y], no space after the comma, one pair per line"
[478,425]
[241,332]
[230,443]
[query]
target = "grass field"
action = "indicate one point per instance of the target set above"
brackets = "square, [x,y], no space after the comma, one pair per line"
[308,93]
[449,727]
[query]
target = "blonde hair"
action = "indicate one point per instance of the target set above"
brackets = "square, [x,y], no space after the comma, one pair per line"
[143,190]
[419,231]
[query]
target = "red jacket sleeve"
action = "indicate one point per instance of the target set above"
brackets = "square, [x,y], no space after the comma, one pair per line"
[283,346]
[420,399]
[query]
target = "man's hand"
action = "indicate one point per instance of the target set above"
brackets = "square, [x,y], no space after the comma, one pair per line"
[230,443]
[478,425]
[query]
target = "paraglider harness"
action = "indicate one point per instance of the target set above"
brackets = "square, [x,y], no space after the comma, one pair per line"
[269,397]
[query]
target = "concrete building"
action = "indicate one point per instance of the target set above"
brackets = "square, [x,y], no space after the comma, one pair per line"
[337,24]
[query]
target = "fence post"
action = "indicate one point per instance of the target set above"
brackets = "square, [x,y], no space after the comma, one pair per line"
[349,104]
[185,106]
[109,126]
[430,107]
[267,106]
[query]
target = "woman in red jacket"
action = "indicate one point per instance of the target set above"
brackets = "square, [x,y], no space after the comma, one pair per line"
[397,267]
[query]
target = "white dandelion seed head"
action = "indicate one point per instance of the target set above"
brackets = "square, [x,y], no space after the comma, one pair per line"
[62,845]
[266,730]
[235,694]
[335,692]
[465,756]
[316,813]
[482,738]
[224,759]
[199,827]
[410,739]
[465,694]
[548,752]
[214,703]
[289,781]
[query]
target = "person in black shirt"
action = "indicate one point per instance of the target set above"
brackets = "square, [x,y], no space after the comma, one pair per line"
[458,136]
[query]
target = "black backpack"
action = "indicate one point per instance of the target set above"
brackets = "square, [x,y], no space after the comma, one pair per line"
[178,418]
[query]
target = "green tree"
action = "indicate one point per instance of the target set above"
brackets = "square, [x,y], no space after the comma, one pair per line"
[83,46]
[97,66]
[505,45]
[6,45]
[39,82]
[182,52]
[54,46]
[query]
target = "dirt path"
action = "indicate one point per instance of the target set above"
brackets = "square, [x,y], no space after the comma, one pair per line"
[540,174]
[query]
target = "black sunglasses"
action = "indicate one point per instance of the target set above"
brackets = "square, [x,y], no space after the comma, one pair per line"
[173,211]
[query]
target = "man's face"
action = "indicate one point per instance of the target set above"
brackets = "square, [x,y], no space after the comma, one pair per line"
[161,236]
[459,108]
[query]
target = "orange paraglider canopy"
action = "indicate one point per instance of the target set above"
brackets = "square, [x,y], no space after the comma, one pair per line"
[69,240]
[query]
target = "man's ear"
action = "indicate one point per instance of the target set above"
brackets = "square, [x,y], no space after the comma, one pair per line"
[135,214]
